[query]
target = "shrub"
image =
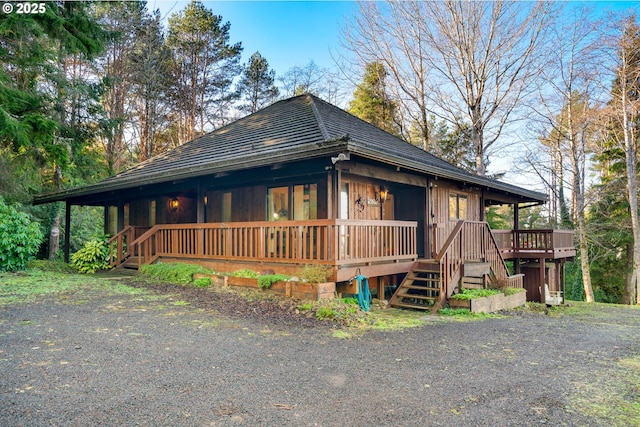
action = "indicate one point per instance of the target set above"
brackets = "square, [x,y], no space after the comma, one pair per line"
[315,273]
[306,306]
[175,272]
[93,256]
[325,313]
[202,282]
[246,273]
[267,280]
[467,294]
[20,238]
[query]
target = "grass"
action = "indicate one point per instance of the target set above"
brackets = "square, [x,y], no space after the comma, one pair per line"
[174,272]
[28,286]
[611,395]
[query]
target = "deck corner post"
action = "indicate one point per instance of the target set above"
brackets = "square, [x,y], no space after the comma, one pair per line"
[67,230]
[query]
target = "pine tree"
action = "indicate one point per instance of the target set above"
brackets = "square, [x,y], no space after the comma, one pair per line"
[371,102]
[123,21]
[205,64]
[151,80]
[257,84]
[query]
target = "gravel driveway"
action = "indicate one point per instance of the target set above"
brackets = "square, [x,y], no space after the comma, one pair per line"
[168,358]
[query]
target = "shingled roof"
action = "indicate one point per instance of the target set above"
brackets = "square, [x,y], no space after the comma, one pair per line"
[301,127]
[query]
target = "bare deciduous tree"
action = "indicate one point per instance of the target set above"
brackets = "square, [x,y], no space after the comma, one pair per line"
[462,61]
[566,112]
[625,115]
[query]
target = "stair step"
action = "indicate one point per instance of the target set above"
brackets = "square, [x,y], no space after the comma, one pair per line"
[425,279]
[426,270]
[421,297]
[408,305]
[422,288]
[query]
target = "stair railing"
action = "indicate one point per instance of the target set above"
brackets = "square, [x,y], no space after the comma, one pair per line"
[451,258]
[119,246]
[146,247]
[471,240]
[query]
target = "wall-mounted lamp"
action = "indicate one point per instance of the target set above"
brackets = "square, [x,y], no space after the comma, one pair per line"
[174,203]
[384,193]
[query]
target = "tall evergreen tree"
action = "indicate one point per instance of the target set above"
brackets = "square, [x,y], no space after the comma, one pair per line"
[205,64]
[123,21]
[151,80]
[257,84]
[371,101]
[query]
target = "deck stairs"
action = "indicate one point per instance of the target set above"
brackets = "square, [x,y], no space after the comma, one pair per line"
[131,262]
[420,288]
[469,258]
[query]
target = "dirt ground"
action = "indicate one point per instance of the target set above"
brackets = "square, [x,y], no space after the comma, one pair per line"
[181,356]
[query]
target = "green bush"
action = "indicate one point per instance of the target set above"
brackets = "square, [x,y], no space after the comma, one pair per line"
[20,238]
[246,273]
[468,294]
[315,273]
[267,280]
[93,256]
[325,313]
[175,272]
[202,282]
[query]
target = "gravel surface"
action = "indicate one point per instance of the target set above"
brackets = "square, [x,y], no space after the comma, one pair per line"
[113,359]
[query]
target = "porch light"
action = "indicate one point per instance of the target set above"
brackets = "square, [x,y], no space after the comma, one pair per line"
[174,203]
[384,192]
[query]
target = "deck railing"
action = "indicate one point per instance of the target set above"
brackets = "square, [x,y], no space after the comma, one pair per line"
[472,241]
[552,242]
[120,244]
[334,242]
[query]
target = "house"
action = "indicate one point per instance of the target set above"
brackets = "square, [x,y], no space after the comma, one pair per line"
[304,182]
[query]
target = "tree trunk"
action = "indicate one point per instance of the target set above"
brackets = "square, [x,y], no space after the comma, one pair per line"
[54,235]
[584,260]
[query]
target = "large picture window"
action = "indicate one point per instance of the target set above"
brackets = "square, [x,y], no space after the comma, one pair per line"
[298,202]
[457,206]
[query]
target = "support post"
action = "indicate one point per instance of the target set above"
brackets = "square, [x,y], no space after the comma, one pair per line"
[200,219]
[200,204]
[67,230]
[120,216]
[106,219]
[543,294]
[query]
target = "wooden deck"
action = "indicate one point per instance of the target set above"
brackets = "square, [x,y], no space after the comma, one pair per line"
[344,244]
[535,244]
[371,247]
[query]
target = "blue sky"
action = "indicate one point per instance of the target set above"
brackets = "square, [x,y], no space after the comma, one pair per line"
[286,33]
[290,33]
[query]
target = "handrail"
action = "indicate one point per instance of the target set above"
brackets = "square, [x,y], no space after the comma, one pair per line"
[121,240]
[450,260]
[471,240]
[324,241]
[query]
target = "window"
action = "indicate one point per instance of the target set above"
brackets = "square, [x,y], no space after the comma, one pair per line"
[127,210]
[113,220]
[457,206]
[305,201]
[298,202]
[226,206]
[278,204]
[152,213]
